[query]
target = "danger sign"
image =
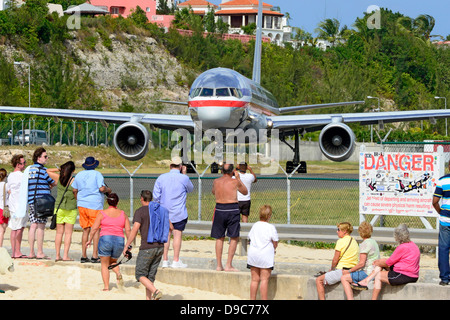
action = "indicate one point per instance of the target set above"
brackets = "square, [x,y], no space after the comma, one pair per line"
[398,183]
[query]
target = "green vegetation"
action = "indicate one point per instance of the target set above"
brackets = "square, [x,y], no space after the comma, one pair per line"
[396,63]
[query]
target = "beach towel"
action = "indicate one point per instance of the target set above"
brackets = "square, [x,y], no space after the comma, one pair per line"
[158,230]
[23,195]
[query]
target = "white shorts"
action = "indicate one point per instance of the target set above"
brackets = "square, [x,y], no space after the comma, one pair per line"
[17,223]
[332,277]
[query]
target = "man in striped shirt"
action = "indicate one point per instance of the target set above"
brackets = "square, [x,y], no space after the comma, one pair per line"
[442,192]
[39,183]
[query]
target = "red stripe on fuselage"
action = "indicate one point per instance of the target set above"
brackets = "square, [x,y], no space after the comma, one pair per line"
[217,103]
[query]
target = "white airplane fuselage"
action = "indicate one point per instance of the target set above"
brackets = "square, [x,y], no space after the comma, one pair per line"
[224,99]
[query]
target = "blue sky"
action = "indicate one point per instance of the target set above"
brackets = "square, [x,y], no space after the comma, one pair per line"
[306,14]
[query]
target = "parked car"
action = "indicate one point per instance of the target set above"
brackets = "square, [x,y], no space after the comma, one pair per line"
[37,137]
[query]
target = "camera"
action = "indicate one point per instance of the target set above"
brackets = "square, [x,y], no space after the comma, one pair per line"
[128,254]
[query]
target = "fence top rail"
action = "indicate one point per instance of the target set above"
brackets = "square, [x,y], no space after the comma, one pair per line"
[259,178]
[415,142]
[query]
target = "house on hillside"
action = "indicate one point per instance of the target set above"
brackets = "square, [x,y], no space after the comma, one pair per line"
[238,13]
[52,7]
[125,7]
[200,7]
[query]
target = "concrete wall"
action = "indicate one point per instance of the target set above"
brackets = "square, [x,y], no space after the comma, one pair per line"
[310,151]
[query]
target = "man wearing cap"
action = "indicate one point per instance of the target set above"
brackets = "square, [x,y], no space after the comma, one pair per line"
[88,188]
[244,199]
[171,191]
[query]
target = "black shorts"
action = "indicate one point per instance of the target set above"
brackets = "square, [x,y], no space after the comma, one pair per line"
[226,219]
[244,207]
[180,225]
[397,279]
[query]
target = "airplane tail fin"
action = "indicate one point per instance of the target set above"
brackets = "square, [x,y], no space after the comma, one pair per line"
[258,46]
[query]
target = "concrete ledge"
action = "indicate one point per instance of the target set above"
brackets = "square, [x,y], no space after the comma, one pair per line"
[282,286]
[292,287]
[410,291]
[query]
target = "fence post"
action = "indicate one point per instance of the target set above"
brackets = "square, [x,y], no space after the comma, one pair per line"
[288,190]
[200,176]
[131,187]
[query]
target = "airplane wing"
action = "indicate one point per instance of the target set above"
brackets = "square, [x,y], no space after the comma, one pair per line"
[318,106]
[318,121]
[163,121]
[336,139]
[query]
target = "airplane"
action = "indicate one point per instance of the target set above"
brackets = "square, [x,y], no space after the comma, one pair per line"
[413,185]
[224,99]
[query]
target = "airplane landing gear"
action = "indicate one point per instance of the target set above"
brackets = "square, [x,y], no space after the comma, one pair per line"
[291,165]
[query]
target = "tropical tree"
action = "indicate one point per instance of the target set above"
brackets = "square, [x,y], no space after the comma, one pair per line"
[164,8]
[301,36]
[209,21]
[328,30]
[421,27]
[424,25]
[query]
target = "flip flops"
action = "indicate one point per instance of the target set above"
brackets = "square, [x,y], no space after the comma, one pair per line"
[357,286]
[157,295]
[24,256]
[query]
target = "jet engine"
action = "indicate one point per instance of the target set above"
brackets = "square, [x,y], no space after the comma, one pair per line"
[337,141]
[131,141]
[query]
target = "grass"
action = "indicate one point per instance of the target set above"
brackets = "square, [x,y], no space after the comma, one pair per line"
[110,161]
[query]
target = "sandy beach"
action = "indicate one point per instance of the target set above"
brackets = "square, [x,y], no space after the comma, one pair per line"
[35,279]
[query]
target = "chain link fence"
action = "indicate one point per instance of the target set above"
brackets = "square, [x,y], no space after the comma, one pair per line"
[69,132]
[320,201]
[294,200]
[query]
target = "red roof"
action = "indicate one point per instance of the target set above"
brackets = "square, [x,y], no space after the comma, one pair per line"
[194,3]
[244,3]
[249,11]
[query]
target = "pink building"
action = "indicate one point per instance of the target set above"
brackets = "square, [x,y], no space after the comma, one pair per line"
[125,7]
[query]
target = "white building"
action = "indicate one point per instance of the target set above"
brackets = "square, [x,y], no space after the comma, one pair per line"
[238,13]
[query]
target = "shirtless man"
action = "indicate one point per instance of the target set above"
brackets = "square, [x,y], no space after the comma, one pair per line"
[227,214]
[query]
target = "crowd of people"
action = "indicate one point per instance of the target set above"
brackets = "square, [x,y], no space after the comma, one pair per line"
[163,217]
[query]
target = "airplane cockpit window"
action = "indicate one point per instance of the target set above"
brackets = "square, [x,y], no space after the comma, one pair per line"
[195,92]
[207,92]
[222,92]
[235,92]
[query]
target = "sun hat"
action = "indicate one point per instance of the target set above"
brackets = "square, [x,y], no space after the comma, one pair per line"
[90,163]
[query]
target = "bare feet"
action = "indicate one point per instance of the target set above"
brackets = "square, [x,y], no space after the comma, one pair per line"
[231,269]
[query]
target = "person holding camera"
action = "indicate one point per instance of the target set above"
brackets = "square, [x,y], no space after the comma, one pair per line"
[171,191]
[112,222]
[152,242]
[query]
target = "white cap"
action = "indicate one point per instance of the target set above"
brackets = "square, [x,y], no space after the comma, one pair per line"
[177,160]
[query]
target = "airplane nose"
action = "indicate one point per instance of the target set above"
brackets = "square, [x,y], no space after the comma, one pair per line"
[214,117]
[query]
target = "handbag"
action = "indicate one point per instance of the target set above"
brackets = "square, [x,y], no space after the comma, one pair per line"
[6,213]
[44,206]
[318,274]
[53,223]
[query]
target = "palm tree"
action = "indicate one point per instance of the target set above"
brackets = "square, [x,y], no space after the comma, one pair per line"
[328,30]
[420,27]
[288,18]
[424,24]
[301,36]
